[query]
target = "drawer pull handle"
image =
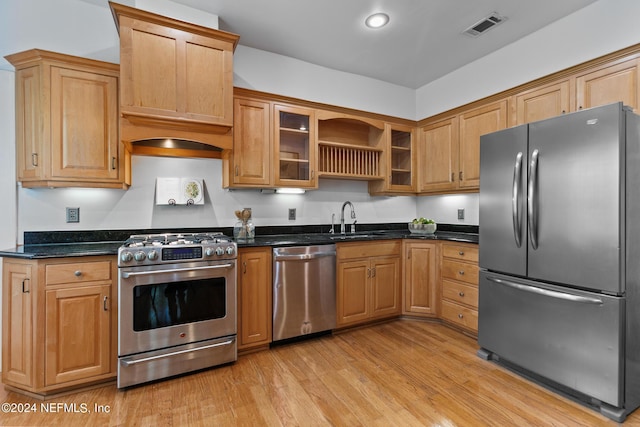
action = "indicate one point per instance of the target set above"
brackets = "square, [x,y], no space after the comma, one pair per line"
[461,253]
[104,304]
[77,273]
[460,316]
[461,272]
[461,293]
[24,289]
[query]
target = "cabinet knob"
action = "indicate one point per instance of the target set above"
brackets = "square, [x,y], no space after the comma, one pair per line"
[461,272]
[461,253]
[77,273]
[461,293]
[460,316]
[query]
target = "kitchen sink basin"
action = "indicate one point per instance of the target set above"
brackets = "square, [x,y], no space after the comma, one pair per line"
[349,236]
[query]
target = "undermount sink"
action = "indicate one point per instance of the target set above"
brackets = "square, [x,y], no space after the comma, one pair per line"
[349,236]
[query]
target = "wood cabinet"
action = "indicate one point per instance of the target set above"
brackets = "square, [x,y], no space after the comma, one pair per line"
[59,323]
[67,122]
[420,278]
[368,281]
[18,320]
[473,124]
[250,163]
[449,150]
[438,156]
[459,275]
[177,79]
[350,147]
[294,147]
[608,83]
[398,161]
[541,103]
[255,295]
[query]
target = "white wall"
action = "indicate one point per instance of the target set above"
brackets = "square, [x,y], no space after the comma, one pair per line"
[272,73]
[110,209]
[600,28]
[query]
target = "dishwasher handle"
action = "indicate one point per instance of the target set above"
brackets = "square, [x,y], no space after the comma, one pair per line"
[303,257]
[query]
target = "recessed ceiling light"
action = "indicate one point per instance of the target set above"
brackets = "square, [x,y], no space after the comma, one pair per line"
[377,20]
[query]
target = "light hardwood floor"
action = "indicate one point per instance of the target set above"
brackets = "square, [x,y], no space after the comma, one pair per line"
[402,373]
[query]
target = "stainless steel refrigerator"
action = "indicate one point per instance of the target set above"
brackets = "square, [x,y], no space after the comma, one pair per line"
[560,254]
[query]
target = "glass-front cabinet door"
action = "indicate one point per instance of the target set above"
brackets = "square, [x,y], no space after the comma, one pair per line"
[295,147]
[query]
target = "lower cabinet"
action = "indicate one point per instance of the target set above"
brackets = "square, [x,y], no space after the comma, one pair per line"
[59,323]
[368,281]
[254,297]
[459,272]
[73,352]
[420,274]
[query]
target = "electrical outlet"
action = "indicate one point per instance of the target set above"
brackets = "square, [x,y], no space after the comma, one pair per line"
[73,214]
[460,213]
[292,214]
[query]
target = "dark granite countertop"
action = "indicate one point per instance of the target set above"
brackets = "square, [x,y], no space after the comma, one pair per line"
[86,243]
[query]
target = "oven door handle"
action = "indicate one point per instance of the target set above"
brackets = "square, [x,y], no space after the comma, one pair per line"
[127,274]
[175,353]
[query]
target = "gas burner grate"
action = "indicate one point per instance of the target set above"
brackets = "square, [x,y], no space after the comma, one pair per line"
[175,239]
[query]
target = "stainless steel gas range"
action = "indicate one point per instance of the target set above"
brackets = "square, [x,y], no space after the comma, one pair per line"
[177,305]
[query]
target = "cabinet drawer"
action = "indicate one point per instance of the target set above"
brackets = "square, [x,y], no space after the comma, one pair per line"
[460,315]
[460,293]
[461,252]
[462,271]
[77,272]
[353,250]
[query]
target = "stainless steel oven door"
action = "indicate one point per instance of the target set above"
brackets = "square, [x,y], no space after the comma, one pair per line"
[169,305]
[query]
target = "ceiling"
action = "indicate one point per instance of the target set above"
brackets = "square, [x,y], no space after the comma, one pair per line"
[423,41]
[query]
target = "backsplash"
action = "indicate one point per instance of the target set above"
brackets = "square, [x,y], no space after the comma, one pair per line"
[110,209]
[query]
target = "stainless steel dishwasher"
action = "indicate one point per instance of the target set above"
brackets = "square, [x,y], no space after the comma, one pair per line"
[304,290]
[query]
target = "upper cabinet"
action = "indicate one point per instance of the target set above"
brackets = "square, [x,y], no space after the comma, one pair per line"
[294,147]
[249,164]
[449,150]
[473,124]
[608,83]
[438,156]
[542,103]
[177,79]
[349,146]
[67,122]
[398,160]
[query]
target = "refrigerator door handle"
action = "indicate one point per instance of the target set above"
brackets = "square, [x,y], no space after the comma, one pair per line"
[546,292]
[515,206]
[531,204]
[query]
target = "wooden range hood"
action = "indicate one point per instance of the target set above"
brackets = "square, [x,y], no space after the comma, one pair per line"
[176,85]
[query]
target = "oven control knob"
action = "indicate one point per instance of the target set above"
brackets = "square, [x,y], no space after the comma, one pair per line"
[152,255]
[209,251]
[219,251]
[140,256]
[230,250]
[126,256]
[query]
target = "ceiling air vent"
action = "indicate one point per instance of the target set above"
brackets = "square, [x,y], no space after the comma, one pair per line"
[484,25]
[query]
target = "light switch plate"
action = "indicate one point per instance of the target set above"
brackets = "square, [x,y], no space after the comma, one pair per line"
[73,214]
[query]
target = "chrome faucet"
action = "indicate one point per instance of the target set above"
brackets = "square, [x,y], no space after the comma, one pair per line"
[353,216]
